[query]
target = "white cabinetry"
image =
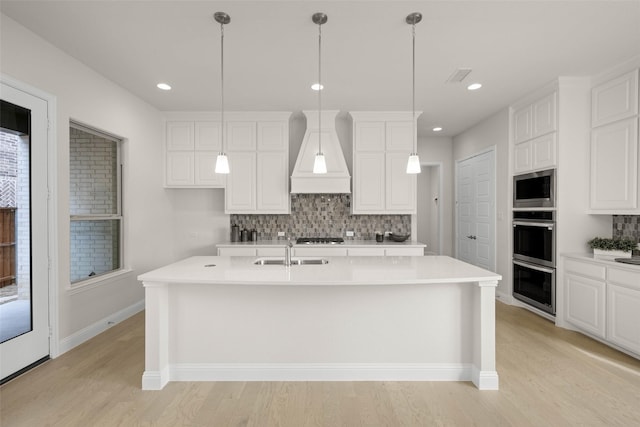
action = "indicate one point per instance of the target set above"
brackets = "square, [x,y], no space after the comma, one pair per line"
[615,154]
[534,135]
[382,142]
[259,161]
[190,156]
[603,300]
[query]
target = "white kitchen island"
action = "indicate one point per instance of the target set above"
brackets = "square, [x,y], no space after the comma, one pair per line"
[428,318]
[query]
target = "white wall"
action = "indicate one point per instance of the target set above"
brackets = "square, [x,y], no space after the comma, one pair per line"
[494,131]
[438,149]
[153,216]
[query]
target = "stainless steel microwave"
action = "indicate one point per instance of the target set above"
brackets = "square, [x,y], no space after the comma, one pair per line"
[535,190]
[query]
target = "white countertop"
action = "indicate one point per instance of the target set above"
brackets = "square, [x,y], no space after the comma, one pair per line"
[389,270]
[609,261]
[346,244]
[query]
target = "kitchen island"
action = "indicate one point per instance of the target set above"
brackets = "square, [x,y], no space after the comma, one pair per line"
[218,318]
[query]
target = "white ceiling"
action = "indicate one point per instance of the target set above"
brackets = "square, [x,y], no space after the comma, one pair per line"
[271,58]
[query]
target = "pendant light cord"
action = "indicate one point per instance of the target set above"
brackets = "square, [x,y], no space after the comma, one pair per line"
[320,88]
[413,90]
[222,86]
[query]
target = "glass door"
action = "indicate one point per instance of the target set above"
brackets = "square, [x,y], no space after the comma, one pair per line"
[24,303]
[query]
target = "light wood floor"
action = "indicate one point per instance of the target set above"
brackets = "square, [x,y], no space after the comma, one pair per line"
[548,377]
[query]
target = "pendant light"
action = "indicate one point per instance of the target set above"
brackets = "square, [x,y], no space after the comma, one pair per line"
[319,164]
[413,165]
[222,162]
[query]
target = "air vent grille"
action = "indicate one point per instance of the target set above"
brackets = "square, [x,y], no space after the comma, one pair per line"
[458,75]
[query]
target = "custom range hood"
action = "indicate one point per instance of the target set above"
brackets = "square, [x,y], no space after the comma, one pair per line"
[337,178]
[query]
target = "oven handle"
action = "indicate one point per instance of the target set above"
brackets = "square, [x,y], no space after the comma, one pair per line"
[548,226]
[534,267]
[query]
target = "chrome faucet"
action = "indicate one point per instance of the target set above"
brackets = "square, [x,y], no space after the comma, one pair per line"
[287,253]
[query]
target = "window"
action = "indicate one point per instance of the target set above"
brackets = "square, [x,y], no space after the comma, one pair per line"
[95,203]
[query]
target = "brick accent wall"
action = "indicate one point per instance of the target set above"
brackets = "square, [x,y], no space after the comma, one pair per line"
[8,169]
[94,244]
[322,215]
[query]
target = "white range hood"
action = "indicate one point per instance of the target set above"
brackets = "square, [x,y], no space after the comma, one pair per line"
[337,178]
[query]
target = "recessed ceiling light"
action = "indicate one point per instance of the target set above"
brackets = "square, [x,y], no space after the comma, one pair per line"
[437,129]
[317,86]
[474,86]
[163,86]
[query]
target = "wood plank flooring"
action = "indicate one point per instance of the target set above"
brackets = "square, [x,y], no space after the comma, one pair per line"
[548,377]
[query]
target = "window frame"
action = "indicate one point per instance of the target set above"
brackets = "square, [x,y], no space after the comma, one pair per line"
[107,276]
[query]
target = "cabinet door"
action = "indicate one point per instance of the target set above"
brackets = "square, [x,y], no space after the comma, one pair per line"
[205,165]
[179,136]
[544,115]
[369,136]
[272,136]
[299,251]
[615,100]
[400,194]
[365,251]
[179,168]
[369,182]
[208,136]
[241,136]
[543,151]
[586,304]
[399,137]
[272,183]
[623,316]
[522,158]
[240,195]
[614,165]
[404,251]
[522,124]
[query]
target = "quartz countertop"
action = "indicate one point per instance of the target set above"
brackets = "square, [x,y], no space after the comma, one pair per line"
[346,244]
[609,261]
[377,270]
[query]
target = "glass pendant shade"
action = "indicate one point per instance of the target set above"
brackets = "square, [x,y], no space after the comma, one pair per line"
[413,165]
[222,163]
[319,164]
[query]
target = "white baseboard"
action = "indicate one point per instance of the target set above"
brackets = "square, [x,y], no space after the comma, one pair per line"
[485,380]
[155,380]
[321,372]
[504,297]
[98,327]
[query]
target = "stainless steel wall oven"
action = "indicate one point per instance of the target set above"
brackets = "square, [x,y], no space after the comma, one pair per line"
[534,259]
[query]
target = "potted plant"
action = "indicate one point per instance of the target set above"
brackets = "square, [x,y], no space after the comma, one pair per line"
[611,248]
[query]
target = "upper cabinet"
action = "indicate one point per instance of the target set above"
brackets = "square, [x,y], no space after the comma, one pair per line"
[257,144]
[190,156]
[615,100]
[382,142]
[534,126]
[615,153]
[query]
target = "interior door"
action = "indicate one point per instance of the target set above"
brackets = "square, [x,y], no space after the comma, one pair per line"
[475,210]
[24,319]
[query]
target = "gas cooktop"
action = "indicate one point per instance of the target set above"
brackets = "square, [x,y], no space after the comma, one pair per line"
[319,240]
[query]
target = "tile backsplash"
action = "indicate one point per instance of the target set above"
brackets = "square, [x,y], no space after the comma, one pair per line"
[322,215]
[626,226]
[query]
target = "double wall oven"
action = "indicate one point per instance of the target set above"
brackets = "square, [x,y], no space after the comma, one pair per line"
[534,244]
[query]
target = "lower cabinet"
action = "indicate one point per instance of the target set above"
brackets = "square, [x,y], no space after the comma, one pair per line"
[604,301]
[320,251]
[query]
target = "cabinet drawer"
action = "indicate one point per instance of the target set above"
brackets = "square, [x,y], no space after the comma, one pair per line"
[320,251]
[585,269]
[365,251]
[404,251]
[629,279]
[238,252]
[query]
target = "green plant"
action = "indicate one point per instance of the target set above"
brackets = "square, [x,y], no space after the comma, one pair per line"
[605,244]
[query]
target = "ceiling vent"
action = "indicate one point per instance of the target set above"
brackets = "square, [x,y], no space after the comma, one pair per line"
[459,75]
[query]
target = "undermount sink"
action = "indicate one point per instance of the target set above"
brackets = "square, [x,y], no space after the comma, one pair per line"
[294,261]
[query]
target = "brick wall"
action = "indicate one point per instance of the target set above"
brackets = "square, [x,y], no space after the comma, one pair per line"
[94,245]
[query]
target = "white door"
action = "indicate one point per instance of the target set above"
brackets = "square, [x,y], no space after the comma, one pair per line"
[24,317]
[475,210]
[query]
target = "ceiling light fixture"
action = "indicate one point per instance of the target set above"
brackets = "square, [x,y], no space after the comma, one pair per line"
[437,129]
[222,161]
[163,86]
[474,86]
[319,164]
[317,86]
[413,164]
